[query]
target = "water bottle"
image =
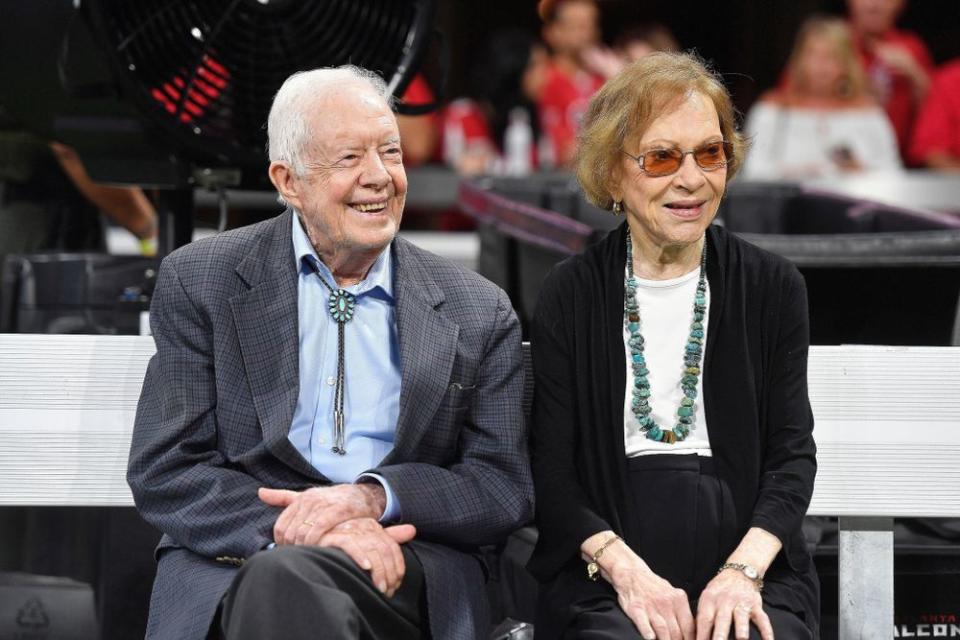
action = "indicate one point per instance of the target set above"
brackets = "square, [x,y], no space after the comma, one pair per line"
[517,143]
[453,142]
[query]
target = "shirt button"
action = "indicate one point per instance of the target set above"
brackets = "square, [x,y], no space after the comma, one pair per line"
[331,381]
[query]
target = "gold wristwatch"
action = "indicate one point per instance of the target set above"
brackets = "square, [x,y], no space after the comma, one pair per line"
[750,572]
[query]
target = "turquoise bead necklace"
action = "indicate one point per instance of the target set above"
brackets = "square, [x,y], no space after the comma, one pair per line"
[692,355]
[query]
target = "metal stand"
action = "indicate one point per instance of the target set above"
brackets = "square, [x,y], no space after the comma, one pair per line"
[175,211]
[866,578]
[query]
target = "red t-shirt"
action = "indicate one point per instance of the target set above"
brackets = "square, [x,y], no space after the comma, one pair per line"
[563,102]
[938,124]
[894,90]
[463,125]
[418,91]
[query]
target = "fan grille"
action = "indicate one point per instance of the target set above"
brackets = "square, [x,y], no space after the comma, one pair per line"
[207,70]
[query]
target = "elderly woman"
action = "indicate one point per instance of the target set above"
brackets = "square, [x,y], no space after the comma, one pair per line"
[672,434]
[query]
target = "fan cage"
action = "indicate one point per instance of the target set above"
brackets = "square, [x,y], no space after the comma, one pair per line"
[206,70]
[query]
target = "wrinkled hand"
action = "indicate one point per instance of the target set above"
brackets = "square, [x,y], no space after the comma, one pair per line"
[656,608]
[374,548]
[308,515]
[731,596]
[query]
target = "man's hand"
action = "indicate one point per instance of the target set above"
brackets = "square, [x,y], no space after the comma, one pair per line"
[900,59]
[374,548]
[897,57]
[308,515]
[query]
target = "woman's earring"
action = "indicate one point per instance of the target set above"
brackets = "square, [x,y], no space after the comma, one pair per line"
[617,208]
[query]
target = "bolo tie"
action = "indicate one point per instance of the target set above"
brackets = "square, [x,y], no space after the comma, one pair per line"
[341,305]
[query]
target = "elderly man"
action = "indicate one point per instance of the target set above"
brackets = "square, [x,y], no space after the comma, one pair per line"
[332,424]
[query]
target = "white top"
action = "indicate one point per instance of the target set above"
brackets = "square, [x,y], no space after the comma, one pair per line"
[796,143]
[666,312]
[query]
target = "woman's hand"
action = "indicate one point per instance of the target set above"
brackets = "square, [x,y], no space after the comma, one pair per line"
[657,609]
[731,596]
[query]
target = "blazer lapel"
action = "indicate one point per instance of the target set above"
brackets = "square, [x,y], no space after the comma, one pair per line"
[428,348]
[266,319]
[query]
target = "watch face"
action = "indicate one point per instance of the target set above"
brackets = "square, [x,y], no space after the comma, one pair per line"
[751,573]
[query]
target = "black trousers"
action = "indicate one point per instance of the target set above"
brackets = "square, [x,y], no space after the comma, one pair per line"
[319,592]
[681,513]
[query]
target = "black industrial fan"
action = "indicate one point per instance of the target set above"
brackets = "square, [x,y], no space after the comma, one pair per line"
[149,91]
[207,70]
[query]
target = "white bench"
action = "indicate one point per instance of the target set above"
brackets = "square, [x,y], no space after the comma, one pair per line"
[887,428]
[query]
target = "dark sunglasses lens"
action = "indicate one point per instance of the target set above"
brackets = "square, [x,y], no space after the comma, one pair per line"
[713,155]
[661,162]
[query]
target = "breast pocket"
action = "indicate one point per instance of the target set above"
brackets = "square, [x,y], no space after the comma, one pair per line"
[448,422]
[459,395]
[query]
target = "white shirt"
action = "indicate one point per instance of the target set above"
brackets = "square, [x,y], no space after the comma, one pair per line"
[796,143]
[666,312]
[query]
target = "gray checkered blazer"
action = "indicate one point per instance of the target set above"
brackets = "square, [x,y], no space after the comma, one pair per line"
[220,393]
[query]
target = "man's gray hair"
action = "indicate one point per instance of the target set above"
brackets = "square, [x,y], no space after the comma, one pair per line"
[287,125]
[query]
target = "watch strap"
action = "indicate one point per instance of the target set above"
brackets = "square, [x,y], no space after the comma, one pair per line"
[748,571]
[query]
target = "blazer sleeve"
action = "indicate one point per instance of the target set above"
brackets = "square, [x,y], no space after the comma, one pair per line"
[789,460]
[179,479]
[565,515]
[486,493]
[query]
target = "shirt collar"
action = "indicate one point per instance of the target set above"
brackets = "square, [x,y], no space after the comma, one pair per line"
[379,277]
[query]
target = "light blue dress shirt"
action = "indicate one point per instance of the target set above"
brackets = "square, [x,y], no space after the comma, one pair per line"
[372,371]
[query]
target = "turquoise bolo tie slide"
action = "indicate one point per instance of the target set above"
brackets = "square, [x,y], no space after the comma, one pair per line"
[341,305]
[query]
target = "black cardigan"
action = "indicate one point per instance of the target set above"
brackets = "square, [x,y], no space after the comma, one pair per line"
[755,397]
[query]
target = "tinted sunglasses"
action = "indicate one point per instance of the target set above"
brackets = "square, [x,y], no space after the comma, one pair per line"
[709,156]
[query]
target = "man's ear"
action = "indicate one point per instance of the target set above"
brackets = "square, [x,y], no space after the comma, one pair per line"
[285,182]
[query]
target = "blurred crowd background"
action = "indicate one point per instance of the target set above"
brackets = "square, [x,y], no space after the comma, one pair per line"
[825,86]
[826,89]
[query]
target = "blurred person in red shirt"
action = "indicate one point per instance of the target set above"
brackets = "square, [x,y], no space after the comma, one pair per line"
[897,62]
[936,136]
[418,134]
[571,29]
[503,87]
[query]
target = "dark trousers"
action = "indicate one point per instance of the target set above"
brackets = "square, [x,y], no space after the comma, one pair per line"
[319,592]
[607,621]
[681,513]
